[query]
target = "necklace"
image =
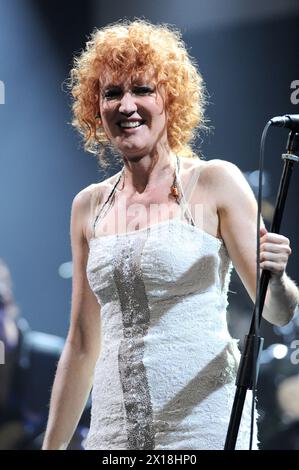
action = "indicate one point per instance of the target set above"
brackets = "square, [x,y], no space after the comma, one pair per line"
[173,188]
[173,191]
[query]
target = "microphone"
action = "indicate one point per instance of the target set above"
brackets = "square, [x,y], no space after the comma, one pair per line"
[290,121]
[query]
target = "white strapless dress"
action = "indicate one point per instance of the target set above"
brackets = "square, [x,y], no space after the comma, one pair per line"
[165,376]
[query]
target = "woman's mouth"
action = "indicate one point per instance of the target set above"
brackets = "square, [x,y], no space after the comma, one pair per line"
[133,124]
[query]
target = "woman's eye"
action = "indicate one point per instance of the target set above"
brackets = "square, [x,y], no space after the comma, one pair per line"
[113,93]
[143,90]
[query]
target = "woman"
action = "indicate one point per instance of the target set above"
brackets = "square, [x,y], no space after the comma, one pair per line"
[153,248]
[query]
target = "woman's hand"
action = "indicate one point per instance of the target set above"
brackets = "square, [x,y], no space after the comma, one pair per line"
[274,252]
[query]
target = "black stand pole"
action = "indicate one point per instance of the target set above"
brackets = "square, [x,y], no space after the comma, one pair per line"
[244,379]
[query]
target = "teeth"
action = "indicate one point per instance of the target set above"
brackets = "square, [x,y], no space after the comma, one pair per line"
[130,124]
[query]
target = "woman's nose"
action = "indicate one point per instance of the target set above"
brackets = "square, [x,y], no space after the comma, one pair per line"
[127,104]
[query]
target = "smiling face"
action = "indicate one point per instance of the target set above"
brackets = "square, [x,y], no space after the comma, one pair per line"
[133,115]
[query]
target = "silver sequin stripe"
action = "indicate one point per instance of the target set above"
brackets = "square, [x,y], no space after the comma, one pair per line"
[135,318]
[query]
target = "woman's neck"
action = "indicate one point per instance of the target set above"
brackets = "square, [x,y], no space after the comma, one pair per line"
[142,174]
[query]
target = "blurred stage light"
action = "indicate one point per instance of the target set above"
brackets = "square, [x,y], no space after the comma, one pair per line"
[253,180]
[274,351]
[65,270]
[279,351]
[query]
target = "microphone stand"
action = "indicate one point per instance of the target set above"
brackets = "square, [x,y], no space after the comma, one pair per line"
[244,380]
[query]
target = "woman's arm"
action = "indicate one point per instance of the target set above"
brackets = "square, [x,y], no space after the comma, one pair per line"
[73,380]
[237,209]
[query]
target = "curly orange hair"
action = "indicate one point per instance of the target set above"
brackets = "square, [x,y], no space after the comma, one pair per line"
[127,48]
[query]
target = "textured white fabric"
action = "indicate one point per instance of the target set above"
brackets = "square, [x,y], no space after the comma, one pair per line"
[165,375]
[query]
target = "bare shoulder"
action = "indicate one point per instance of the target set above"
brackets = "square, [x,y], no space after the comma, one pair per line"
[211,169]
[212,174]
[228,183]
[86,196]
[220,169]
[87,200]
